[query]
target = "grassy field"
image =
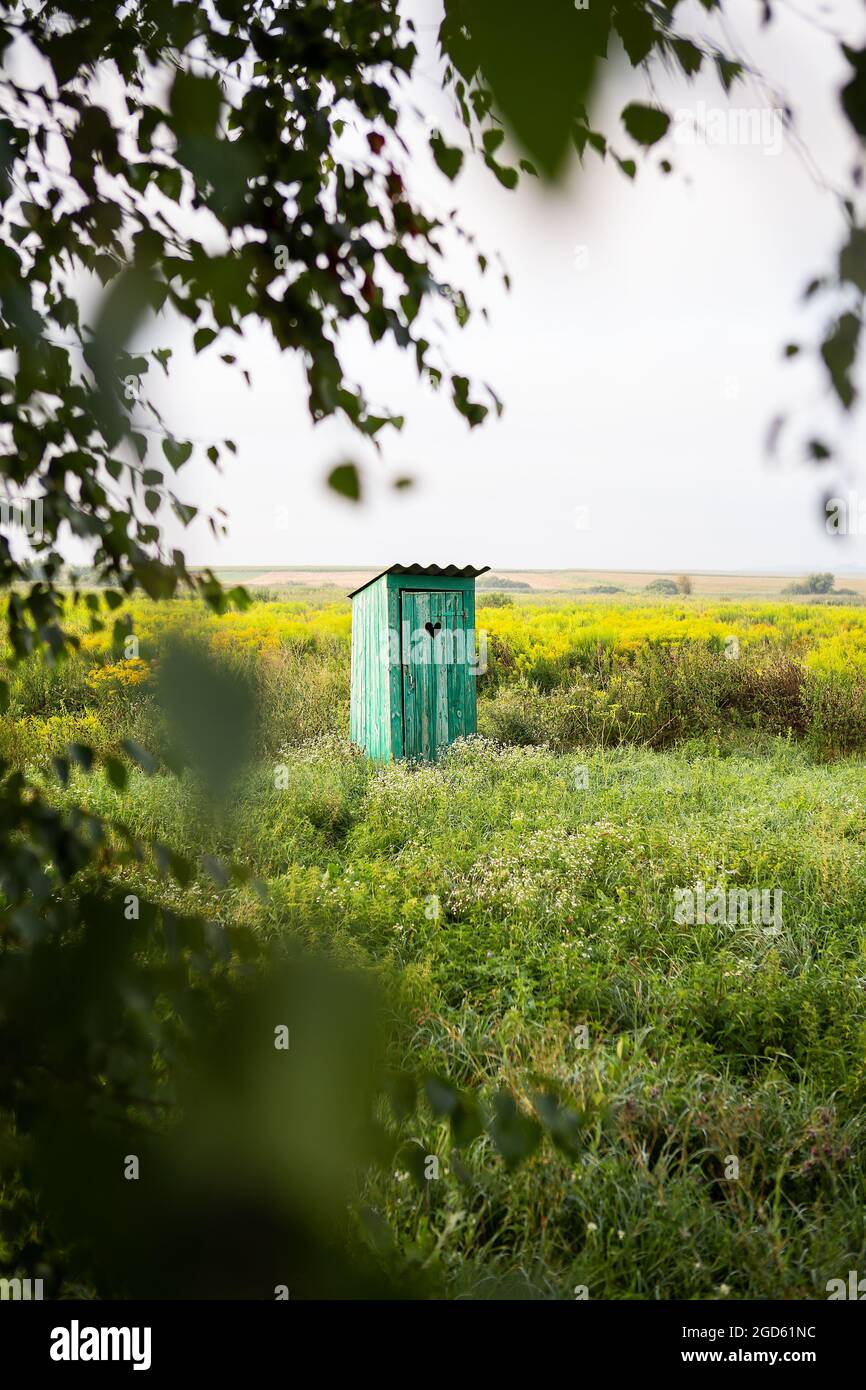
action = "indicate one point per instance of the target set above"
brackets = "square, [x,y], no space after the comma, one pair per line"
[519,903]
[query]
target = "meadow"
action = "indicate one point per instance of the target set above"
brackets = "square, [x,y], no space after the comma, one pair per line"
[516,900]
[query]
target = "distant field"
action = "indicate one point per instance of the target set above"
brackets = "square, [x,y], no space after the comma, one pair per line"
[544,581]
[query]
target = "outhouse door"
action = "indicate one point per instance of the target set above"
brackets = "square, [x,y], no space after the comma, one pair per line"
[436,670]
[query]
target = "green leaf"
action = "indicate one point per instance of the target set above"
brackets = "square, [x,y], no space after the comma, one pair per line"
[637,32]
[139,755]
[470,409]
[442,1097]
[818,451]
[448,158]
[564,1125]
[507,176]
[170,183]
[852,259]
[645,124]
[728,71]
[492,139]
[181,869]
[462,1111]
[402,1092]
[346,480]
[194,103]
[515,1134]
[854,92]
[466,1122]
[178,453]
[540,68]
[115,773]
[215,870]
[839,351]
[689,56]
[210,712]
[82,755]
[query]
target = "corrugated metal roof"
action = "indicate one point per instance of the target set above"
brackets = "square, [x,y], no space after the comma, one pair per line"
[435,571]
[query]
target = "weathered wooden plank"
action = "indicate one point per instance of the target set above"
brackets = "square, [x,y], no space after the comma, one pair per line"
[457,673]
[369,721]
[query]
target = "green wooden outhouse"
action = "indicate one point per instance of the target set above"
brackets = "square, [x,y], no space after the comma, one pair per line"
[414,660]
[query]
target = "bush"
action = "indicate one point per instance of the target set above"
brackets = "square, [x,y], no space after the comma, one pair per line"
[303,695]
[495,581]
[42,687]
[812,584]
[665,695]
[835,703]
[517,714]
[661,586]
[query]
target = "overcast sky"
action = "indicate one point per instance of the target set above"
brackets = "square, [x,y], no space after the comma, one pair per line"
[638,355]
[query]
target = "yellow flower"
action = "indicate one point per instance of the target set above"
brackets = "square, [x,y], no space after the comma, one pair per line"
[131,671]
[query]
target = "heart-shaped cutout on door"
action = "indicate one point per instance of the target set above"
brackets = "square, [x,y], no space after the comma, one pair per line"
[432,628]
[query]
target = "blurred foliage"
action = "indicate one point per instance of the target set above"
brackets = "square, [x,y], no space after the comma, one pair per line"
[533,72]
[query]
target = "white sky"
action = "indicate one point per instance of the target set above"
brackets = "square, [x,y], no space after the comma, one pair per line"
[639,374]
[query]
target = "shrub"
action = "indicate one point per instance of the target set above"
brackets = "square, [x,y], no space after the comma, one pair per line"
[516,714]
[667,694]
[812,584]
[302,695]
[661,586]
[495,581]
[41,687]
[835,703]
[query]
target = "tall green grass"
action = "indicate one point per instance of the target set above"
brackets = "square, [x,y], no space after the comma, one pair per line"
[510,904]
[518,900]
